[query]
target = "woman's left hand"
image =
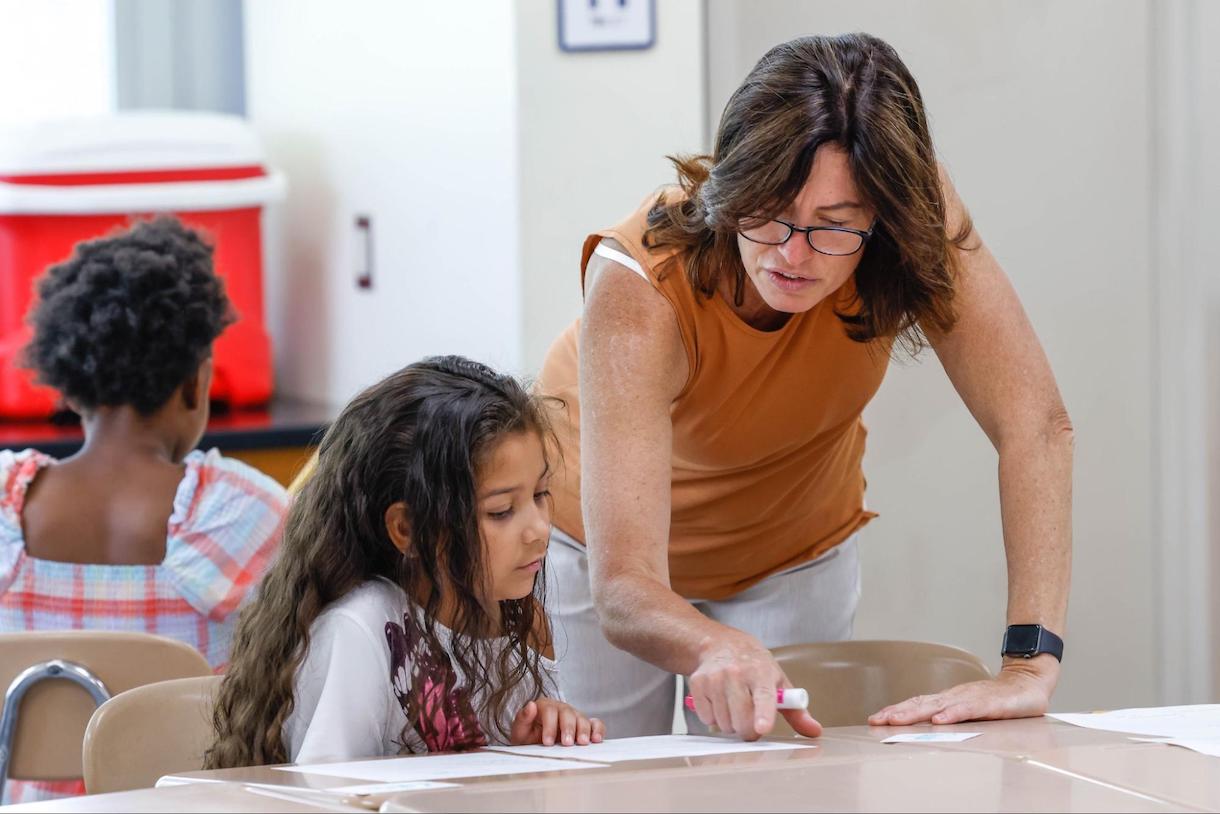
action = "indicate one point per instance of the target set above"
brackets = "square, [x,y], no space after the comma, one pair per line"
[1021,690]
[548,722]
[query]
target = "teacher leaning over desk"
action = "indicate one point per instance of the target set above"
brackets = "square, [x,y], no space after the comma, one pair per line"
[734,328]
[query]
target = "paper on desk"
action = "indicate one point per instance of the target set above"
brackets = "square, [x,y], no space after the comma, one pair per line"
[392,788]
[369,788]
[1194,722]
[617,750]
[439,767]
[1203,746]
[932,737]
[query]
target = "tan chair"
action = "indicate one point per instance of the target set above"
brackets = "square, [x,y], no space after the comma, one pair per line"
[303,476]
[143,734]
[43,721]
[848,681]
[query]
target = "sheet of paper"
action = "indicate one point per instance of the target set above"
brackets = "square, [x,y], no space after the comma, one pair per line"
[439,767]
[1206,747]
[393,788]
[1196,722]
[617,750]
[169,780]
[932,737]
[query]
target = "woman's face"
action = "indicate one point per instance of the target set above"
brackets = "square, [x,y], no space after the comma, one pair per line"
[792,277]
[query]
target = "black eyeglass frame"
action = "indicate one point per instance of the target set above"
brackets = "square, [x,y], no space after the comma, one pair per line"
[808,232]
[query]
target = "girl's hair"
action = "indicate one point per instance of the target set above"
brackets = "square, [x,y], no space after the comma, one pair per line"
[419,437]
[853,91]
[128,317]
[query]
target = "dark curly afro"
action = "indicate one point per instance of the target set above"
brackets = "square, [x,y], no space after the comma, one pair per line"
[128,318]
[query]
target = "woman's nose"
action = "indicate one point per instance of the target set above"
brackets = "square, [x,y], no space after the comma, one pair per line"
[797,250]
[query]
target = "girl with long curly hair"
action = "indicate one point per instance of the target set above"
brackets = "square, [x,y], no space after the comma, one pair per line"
[404,613]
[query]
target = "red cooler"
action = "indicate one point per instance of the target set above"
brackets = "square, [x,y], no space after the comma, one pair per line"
[65,181]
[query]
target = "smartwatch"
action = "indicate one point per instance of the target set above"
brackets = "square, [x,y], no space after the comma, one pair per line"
[1027,641]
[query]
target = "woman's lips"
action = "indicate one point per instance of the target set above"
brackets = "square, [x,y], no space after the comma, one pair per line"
[784,282]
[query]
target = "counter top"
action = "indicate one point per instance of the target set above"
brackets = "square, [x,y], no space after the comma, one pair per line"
[282,423]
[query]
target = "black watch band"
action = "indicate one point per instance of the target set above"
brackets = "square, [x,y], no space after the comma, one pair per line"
[1027,641]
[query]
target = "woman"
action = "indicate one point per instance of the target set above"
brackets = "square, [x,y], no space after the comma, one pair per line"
[733,331]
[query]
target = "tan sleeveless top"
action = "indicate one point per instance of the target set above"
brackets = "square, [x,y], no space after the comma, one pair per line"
[767,434]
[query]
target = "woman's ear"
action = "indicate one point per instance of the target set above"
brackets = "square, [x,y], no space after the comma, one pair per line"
[398,526]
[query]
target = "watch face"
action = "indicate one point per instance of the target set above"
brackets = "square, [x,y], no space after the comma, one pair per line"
[1022,639]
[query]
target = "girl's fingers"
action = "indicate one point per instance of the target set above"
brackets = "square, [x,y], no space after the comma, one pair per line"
[549,721]
[583,730]
[567,725]
[523,723]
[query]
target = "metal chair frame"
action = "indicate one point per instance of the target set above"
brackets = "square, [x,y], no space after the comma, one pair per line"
[55,668]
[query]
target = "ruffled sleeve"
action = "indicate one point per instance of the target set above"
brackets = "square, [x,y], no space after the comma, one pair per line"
[226,526]
[17,470]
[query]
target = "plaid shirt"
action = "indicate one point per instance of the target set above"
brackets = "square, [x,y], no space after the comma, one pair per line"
[226,523]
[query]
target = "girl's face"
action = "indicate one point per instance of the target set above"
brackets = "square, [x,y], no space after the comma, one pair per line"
[514,510]
[792,277]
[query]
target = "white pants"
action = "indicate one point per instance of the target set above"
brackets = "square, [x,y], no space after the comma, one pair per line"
[813,602]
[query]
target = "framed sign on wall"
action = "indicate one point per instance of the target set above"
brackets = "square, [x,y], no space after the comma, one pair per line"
[607,25]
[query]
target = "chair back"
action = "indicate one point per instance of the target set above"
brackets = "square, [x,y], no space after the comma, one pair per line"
[45,718]
[848,681]
[303,475]
[141,735]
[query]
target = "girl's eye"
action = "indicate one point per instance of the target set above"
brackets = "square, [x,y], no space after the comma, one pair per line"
[543,495]
[504,515]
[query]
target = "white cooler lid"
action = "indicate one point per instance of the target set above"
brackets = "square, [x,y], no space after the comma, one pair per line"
[132,141]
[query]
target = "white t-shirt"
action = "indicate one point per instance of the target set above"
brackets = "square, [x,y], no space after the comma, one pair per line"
[367,669]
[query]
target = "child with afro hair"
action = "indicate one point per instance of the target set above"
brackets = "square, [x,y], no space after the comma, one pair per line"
[138,530]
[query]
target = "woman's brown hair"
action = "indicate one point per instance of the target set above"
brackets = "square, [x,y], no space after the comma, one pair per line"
[418,437]
[853,91]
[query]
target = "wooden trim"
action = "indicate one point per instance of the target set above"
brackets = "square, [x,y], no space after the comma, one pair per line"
[281,463]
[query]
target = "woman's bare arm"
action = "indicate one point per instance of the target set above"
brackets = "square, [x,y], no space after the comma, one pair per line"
[998,367]
[632,367]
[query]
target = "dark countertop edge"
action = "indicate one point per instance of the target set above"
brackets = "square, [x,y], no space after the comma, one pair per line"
[291,425]
[263,438]
[224,440]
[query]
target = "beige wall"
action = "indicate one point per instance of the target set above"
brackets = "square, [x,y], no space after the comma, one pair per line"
[1207,267]
[1041,112]
[593,130]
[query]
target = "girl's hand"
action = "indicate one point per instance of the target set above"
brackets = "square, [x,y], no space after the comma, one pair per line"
[547,721]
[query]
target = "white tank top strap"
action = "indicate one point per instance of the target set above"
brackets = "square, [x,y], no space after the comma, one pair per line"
[622,259]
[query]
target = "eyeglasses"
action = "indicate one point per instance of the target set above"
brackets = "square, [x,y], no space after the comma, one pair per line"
[836,241]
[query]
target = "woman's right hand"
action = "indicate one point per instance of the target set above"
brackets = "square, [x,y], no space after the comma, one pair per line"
[734,688]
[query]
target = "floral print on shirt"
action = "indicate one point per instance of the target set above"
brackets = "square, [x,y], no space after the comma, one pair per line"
[427,689]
